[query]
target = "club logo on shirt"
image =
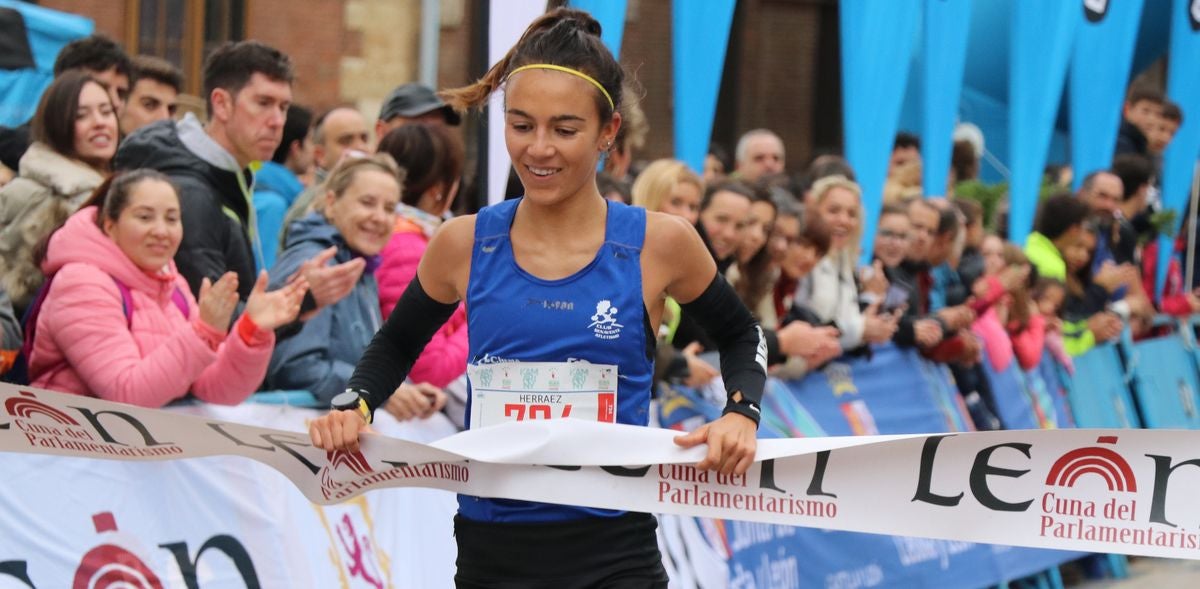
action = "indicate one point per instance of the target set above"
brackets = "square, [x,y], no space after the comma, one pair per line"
[604,321]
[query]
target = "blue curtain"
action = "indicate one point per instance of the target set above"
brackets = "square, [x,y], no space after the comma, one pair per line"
[611,14]
[944,53]
[1042,34]
[877,43]
[1100,69]
[700,33]
[1183,87]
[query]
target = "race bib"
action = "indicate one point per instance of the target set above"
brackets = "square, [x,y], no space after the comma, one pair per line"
[519,391]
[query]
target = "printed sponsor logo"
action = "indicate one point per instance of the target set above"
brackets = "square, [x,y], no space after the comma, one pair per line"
[354,550]
[27,405]
[119,561]
[1091,494]
[103,434]
[1102,462]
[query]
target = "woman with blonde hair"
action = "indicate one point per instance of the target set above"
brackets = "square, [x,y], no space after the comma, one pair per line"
[831,291]
[669,186]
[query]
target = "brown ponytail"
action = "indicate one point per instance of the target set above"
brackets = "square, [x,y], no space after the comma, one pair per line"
[563,36]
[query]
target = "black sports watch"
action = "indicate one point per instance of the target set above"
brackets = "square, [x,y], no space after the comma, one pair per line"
[352,400]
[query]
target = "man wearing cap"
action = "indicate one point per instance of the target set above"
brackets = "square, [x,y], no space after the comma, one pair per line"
[413,102]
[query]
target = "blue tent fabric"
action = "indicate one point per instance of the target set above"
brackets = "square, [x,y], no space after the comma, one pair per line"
[699,38]
[1098,79]
[47,31]
[877,45]
[611,16]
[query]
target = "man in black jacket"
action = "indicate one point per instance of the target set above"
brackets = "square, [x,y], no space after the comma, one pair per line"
[248,86]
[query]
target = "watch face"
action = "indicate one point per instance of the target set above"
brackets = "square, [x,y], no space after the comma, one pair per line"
[345,400]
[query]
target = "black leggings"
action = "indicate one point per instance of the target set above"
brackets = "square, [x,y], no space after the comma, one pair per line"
[619,552]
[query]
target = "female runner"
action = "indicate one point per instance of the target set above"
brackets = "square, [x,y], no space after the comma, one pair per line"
[556,281]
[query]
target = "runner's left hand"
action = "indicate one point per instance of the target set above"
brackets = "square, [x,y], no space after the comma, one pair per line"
[732,441]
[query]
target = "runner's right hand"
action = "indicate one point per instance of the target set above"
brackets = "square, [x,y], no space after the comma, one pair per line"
[337,430]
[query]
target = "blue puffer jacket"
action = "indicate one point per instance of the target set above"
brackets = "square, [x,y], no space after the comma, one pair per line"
[321,356]
[275,187]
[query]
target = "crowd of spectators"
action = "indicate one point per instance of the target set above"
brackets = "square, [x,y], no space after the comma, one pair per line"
[146,258]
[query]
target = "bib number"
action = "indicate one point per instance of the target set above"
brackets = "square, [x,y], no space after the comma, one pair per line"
[519,391]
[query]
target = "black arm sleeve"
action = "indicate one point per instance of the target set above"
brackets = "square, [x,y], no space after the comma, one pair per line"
[392,352]
[740,340]
[774,354]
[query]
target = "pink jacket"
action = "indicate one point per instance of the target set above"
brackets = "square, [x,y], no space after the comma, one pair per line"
[445,357]
[999,347]
[85,346]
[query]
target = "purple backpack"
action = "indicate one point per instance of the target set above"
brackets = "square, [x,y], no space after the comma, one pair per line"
[19,373]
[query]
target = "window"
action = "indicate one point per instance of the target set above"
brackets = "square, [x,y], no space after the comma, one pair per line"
[184,31]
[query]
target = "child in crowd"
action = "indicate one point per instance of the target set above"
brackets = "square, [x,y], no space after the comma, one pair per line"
[1048,296]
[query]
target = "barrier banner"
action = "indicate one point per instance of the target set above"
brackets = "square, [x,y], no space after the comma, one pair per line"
[894,392]
[204,523]
[1120,491]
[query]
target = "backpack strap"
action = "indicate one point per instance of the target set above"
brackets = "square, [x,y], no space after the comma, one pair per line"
[126,301]
[181,302]
[177,297]
[30,319]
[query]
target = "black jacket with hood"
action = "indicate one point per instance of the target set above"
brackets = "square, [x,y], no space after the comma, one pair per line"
[214,196]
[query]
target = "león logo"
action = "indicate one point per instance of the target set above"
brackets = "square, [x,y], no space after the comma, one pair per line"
[27,405]
[1096,461]
[355,461]
[112,565]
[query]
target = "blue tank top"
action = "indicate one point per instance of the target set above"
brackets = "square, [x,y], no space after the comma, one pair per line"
[595,315]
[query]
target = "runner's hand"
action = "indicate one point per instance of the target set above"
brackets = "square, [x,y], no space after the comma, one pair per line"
[337,430]
[731,443]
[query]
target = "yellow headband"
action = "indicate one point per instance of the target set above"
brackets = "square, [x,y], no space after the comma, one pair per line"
[566,70]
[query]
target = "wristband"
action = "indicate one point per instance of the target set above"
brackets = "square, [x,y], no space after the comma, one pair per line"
[746,408]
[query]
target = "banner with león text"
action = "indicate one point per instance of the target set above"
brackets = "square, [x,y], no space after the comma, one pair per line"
[1121,491]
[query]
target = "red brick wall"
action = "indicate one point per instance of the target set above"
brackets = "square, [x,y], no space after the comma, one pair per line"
[108,14]
[313,34]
